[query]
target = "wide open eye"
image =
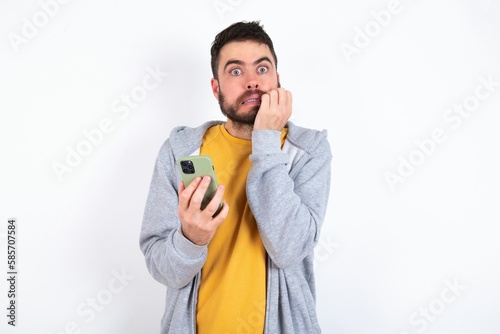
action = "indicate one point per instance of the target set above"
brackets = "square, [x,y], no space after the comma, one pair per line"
[262,69]
[235,72]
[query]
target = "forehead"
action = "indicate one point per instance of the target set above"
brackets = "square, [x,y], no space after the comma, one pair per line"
[244,51]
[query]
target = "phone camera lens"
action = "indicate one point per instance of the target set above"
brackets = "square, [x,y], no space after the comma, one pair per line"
[187,167]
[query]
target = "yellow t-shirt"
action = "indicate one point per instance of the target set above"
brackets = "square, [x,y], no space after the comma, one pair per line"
[232,294]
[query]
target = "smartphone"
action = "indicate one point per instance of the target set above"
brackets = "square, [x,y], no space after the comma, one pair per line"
[200,165]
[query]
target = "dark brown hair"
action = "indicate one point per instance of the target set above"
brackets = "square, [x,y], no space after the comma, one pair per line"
[239,32]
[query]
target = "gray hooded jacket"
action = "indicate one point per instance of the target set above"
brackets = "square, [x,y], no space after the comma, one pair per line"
[287,191]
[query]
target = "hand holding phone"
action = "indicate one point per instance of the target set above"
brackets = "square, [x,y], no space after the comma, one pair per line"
[200,165]
[198,226]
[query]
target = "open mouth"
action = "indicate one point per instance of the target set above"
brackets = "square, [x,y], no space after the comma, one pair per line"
[252,99]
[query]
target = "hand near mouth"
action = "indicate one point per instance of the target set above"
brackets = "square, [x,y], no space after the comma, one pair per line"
[275,110]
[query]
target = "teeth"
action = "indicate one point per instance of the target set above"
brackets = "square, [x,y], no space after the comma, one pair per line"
[251,100]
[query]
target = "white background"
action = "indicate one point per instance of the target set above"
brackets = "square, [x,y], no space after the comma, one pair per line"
[387,256]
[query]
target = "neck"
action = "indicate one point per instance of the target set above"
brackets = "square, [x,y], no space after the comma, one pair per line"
[239,130]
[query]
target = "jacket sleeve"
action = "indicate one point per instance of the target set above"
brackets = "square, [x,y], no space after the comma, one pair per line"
[289,205]
[170,257]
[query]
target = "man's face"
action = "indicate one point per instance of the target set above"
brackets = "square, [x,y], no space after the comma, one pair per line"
[246,71]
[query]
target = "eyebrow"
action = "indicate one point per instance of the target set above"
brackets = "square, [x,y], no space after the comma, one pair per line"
[239,62]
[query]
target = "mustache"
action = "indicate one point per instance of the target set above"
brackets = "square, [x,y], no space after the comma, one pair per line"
[249,93]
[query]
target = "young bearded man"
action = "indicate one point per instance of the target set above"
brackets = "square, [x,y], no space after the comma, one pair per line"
[248,269]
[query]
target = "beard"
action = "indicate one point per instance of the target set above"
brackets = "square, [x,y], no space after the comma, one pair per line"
[231,110]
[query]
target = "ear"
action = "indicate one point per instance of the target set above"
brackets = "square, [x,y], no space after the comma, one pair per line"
[215,87]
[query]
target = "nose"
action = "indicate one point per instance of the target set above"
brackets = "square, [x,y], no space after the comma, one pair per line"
[252,83]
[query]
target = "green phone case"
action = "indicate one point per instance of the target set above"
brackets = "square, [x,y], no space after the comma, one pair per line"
[199,165]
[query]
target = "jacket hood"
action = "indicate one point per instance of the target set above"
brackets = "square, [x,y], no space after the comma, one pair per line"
[186,140]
